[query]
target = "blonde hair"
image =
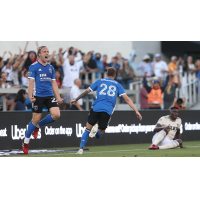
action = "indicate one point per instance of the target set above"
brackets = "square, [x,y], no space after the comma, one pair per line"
[39,50]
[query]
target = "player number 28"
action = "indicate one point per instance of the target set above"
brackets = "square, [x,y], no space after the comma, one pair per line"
[111,91]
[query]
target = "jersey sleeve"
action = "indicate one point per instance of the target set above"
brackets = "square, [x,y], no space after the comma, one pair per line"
[121,90]
[94,86]
[160,121]
[53,77]
[31,72]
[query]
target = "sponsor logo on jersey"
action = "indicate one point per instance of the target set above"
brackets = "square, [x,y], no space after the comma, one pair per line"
[50,70]
[43,75]
[39,70]
[29,73]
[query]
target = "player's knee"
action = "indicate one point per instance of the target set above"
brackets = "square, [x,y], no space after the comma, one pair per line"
[55,116]
[36,119]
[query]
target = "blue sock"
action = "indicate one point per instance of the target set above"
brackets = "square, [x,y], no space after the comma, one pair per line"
[31,128]
[48,119]
[84,138]
[98,135]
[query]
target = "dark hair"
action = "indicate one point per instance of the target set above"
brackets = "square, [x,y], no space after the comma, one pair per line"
[186,68]
[0,59]
[20,96]
[25,72]
[70,50]
[39,50]
[60,79]
[173,108]
[111,71]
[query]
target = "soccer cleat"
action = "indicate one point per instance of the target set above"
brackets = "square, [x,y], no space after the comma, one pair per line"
[80,151]
[35,133]
[94,131]
[153,147]
[25,147]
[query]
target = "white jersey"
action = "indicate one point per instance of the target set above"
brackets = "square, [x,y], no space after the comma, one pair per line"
[71,72]
[74,93]
[25,81]
[159,66]
[174,125]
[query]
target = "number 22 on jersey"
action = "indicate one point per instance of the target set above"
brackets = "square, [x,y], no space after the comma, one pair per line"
[110,92]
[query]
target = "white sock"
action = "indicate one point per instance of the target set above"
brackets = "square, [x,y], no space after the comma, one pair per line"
[159,137]
[171,145]
[26,140]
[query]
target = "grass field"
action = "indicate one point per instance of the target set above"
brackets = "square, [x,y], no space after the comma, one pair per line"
[130,150]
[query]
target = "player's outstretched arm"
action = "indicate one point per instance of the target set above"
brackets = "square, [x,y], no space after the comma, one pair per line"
[80,96]
[131,104]
[56,92]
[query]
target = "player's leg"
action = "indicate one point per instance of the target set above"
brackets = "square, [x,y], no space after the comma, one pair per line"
[92,119]
[52,106]
[37,107]
[32,126]
[104,119]
[170,144]
[157,139]
[50,118]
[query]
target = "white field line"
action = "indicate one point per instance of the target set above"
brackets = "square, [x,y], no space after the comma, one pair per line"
[102,151]
[93,152]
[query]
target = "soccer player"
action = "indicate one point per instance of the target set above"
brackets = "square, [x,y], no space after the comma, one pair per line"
[43,90]
[107,91]
[167,127]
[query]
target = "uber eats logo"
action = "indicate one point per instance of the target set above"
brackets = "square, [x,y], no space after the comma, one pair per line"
[19,133]
[3,132]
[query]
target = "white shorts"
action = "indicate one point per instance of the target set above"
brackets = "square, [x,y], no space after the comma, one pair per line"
[163,142]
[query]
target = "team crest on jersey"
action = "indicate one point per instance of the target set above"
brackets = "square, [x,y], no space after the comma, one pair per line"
[35,107]
[50,70]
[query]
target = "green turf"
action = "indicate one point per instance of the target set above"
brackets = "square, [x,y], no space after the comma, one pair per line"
[130,150]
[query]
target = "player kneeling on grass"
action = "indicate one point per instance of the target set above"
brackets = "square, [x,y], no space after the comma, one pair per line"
[167,127]
[107,91]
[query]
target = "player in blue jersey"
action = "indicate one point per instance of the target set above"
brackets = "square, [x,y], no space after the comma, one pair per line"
[107,91]
[43,90]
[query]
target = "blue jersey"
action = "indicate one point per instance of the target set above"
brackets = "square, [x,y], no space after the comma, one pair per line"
[43,76]
[107,92]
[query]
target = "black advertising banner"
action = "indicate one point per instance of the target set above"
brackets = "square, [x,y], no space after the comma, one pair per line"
[124,128]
